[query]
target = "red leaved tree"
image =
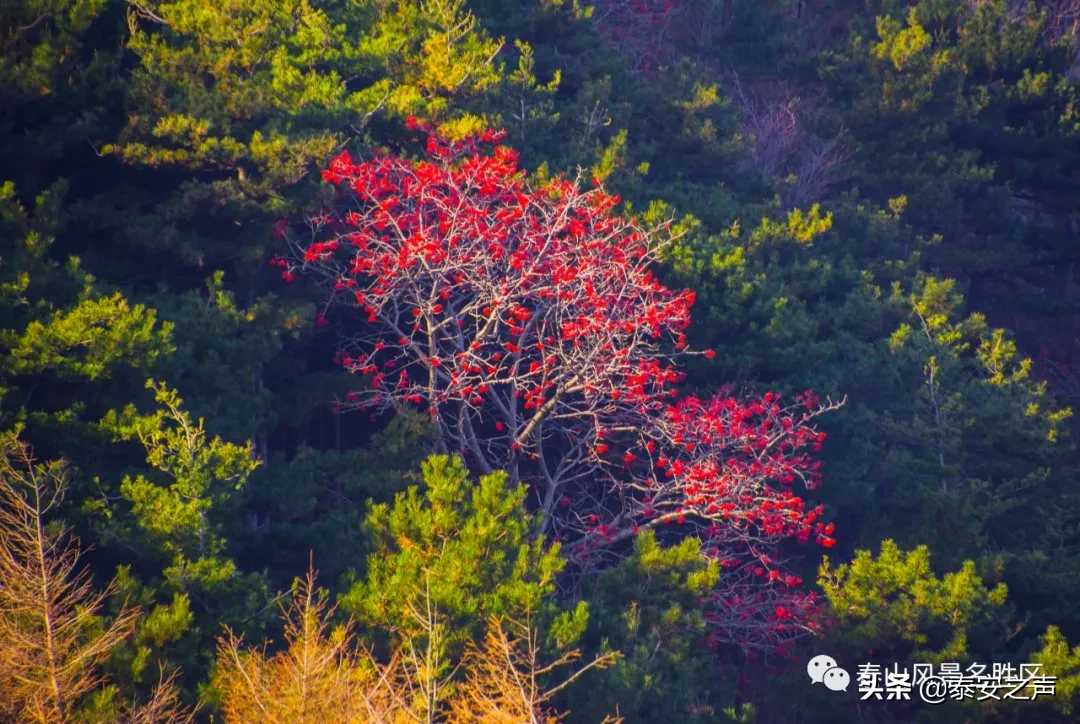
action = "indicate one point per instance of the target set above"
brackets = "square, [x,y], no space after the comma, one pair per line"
[528,323]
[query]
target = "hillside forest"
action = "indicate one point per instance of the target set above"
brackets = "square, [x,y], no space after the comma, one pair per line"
[499,361]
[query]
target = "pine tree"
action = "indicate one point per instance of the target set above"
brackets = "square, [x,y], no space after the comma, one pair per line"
[464,549]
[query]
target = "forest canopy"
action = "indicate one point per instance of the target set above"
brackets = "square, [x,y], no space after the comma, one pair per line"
[539,361]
